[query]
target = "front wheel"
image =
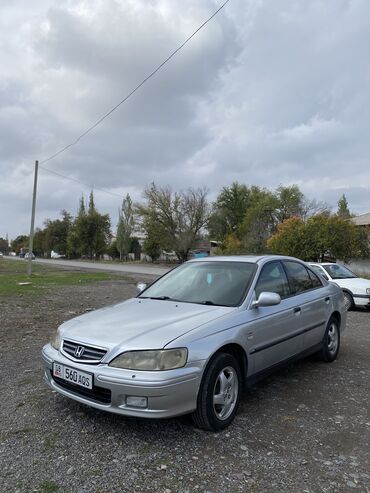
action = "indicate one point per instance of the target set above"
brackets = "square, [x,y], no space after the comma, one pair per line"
[331,342]
[348,300]
[219,393]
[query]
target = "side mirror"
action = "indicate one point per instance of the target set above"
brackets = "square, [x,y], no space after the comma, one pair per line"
[267,299]
[140,286]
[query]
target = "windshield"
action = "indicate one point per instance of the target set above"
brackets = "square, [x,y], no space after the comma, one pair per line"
[336,271]
[208,283]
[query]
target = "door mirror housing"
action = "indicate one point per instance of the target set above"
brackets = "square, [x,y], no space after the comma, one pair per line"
[140,286]
[267,299]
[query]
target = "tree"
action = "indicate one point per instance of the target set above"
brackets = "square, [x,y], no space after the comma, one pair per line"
[289,238]
[177,217]
[19,242]
[229,210]
[90,234]
[152,248]
[56,233]
[4,246]
[125,227]
[319,236]
[259,221]
[289,202]
[343,211]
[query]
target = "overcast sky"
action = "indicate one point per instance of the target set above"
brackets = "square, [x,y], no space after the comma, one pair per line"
[268,93]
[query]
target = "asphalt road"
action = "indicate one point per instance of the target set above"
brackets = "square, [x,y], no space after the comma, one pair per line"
[125,268]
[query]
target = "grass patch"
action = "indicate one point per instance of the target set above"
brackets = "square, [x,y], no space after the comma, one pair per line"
[48,487]
[43,278]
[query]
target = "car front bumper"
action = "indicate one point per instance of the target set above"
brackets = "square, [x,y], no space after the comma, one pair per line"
[168,393]
[361,299]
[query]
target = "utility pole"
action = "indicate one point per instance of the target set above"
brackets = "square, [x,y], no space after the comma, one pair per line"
[30,245]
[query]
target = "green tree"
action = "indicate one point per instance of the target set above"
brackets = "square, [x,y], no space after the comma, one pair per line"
[176,217]
[290,202]
[319,236]
[289,239]
[56,233]
[125,227]
[229,210]
[259,221]
[152,248]
[343,210]
[4,246]
[90,234]
[19,242]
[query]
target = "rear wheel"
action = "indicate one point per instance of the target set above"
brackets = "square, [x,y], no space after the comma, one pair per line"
[219,394]
[331,342]
[348,300]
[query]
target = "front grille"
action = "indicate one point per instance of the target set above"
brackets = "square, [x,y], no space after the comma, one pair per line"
[97,394]
[82,352]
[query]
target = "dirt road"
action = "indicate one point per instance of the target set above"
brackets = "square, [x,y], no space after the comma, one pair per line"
[305,429]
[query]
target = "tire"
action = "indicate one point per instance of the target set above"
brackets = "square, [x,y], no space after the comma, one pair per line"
[331,342]
[348,300]
[222,383]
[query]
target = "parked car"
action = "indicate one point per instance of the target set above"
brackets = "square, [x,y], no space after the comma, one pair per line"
[193,339]
[56,255]
[27,256]
[356,290]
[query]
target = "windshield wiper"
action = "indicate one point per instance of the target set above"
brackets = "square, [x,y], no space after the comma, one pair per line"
[162,298]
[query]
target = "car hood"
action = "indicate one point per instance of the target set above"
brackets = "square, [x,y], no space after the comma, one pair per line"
[140,323]
[357,285]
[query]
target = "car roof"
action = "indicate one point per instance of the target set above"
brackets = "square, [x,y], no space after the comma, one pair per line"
[243,258]
[323,263]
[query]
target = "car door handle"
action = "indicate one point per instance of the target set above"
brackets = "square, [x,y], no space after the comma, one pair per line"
[327,299]
[297,309]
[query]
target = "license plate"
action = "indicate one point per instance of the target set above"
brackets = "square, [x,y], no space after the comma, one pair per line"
[72,375]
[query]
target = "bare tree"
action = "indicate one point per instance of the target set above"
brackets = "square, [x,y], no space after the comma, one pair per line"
[177,218]
[314,207]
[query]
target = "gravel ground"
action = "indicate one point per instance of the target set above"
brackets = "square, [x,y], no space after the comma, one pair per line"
[305,429]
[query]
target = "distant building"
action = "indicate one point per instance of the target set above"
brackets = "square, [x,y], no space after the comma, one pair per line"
[362,220]
[361,267]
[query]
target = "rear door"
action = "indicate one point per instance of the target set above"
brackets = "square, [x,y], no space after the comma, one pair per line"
[312,301]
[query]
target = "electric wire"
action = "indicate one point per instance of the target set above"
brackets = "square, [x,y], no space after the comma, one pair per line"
[92,187]
[98,122]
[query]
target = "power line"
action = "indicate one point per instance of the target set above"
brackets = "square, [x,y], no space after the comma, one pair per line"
[80,182]
[135,89]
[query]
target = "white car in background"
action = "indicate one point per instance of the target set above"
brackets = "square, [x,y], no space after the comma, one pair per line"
[356,290]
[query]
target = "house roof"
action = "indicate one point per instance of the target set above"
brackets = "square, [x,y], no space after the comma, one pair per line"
[362,220]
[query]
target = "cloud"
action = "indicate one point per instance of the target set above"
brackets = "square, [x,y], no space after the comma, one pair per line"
[267,93]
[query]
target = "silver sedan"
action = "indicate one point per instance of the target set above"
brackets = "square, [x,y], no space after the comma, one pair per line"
[192,340]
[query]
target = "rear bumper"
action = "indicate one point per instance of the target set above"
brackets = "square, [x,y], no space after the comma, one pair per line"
[169,393]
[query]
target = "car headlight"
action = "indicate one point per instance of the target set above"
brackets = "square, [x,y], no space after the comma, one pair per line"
[56,340]
[367,290]
[164,359]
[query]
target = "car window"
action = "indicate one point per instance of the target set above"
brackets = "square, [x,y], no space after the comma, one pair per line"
[316,283]
[320,271]
[273,279]
[337,271]
[299,278]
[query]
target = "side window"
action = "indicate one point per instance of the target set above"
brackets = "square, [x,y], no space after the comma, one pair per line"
[320,271]
[273,279]
[299,278]
[316,283]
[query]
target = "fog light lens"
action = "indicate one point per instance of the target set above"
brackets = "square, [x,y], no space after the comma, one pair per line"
[134,401]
